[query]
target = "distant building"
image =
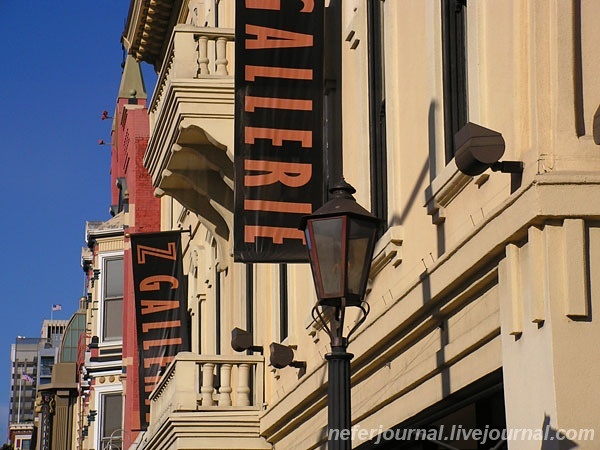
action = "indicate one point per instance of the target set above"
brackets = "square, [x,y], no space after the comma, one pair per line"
[52,332]
[24,375]
[32,360]
[56,400]
[21,435]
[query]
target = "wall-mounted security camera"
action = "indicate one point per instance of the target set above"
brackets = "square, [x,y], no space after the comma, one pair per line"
[477,149]
[283,356]
[241,340]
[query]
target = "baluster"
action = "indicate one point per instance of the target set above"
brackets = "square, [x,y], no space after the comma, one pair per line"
[225,390]
[221,61]
[207,388]
[203,56]
[243,388]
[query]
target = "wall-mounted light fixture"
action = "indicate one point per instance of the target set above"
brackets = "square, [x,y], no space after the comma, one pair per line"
[283,356]
[241,340]
[477,149]
[596,127]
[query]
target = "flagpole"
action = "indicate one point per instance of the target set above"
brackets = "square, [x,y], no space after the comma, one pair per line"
[56,307]
[19,407]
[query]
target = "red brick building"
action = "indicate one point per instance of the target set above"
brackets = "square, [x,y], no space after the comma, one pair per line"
[111,368]
[132,192]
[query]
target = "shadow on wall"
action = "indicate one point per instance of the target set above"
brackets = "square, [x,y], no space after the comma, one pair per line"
[555,439]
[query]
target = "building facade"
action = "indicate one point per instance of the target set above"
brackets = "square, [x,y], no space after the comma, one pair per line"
[51,338]
[23,384]
[101,390]
[24,363]
[32,363]
[57,397]
[483,284]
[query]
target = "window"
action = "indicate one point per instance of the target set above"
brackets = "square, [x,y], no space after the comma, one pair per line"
[332,102]
[123,195]
[112,328]
[377,119]
[250,299]
[46,363]
[283,303]
[217,311]
[111,417]
[23,443]
[454,49]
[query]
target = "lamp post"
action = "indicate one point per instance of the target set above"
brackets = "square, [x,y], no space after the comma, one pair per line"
[340,237]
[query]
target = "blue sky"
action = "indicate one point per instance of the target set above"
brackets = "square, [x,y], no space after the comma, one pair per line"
[61,66]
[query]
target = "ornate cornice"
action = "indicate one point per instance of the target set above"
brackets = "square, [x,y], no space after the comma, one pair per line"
[149,25]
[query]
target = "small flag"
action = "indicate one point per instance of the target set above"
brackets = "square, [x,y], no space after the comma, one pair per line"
[56,307]
[26,377]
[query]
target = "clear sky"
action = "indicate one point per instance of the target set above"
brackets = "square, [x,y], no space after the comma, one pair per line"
[60,67]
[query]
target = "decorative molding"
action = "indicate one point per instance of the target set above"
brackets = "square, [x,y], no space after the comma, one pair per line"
[443,189]
[275,372]
[510,289]
[354,28]
[388,250]
[535,290]
[313,327]
[576,248]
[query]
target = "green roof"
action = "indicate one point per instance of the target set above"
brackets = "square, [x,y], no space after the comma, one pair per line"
[70,340]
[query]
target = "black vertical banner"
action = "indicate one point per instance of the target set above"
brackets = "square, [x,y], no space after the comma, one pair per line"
[160,291]
[278,126]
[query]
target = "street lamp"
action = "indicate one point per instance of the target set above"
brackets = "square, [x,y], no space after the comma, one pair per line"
[340,237]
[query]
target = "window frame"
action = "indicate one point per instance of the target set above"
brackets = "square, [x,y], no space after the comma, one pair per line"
[377,112]
[455,71]
[104,258]
[100,392]
[284,303]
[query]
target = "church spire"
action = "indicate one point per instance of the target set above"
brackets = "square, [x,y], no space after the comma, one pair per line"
[132,81]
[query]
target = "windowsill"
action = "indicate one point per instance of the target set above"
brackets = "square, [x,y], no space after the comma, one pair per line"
[443,189]
[111,344]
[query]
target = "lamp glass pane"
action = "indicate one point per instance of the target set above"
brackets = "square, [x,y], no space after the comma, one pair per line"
[360,249]
[327,241]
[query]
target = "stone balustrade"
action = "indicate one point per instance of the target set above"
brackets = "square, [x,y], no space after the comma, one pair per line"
[195,53]
[208,383]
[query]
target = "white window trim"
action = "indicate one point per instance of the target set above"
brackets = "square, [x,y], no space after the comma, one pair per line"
[102,258]
[99,391]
